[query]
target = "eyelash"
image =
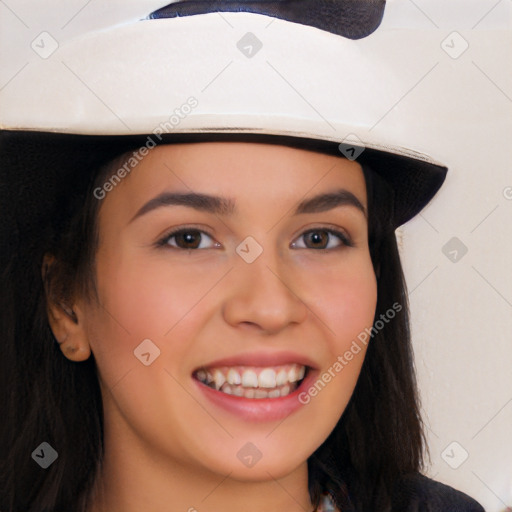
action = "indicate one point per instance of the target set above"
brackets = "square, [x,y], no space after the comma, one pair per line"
[345,240]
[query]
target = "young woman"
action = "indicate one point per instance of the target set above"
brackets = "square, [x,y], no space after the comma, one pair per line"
[209,321]
[210,264]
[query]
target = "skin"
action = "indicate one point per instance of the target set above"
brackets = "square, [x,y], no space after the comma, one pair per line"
[167,446]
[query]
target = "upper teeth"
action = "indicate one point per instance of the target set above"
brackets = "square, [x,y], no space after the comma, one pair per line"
[252,377]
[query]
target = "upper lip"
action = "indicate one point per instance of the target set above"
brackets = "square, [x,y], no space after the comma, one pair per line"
[265,359]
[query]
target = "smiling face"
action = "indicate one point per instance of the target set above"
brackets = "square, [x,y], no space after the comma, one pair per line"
[205,338]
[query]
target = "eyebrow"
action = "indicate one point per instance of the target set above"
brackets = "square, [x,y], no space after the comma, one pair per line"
[329,201]
[227,206]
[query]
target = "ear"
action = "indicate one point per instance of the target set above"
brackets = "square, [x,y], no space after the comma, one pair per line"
[66,322]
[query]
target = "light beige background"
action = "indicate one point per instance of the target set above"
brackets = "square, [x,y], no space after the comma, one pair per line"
[462,310]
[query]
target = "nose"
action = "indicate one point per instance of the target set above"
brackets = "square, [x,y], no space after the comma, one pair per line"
[261,296]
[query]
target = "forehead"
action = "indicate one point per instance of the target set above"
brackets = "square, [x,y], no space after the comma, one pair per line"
[246,171]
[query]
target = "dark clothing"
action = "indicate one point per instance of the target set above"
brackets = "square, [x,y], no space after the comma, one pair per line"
[417,493]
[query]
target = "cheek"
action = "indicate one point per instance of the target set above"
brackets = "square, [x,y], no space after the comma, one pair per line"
[139,302]
[150,295]
[345,300]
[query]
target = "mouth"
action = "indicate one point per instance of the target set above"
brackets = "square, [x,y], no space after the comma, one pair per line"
[253,382]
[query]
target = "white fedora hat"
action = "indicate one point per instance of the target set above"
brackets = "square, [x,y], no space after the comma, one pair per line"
[301,69]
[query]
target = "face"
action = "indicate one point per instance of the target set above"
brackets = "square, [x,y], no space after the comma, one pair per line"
[228,290]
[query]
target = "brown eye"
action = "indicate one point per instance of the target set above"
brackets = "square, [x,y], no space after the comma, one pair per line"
[317,238]
[187,239]
[320,239]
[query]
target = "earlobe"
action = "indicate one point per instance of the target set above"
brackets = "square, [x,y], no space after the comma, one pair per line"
[69,332]
[75,353]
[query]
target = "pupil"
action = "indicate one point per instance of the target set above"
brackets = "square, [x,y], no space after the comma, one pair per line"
[188,237]
[316,238]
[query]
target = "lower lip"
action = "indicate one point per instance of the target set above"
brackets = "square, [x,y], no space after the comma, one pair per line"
[258,409]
